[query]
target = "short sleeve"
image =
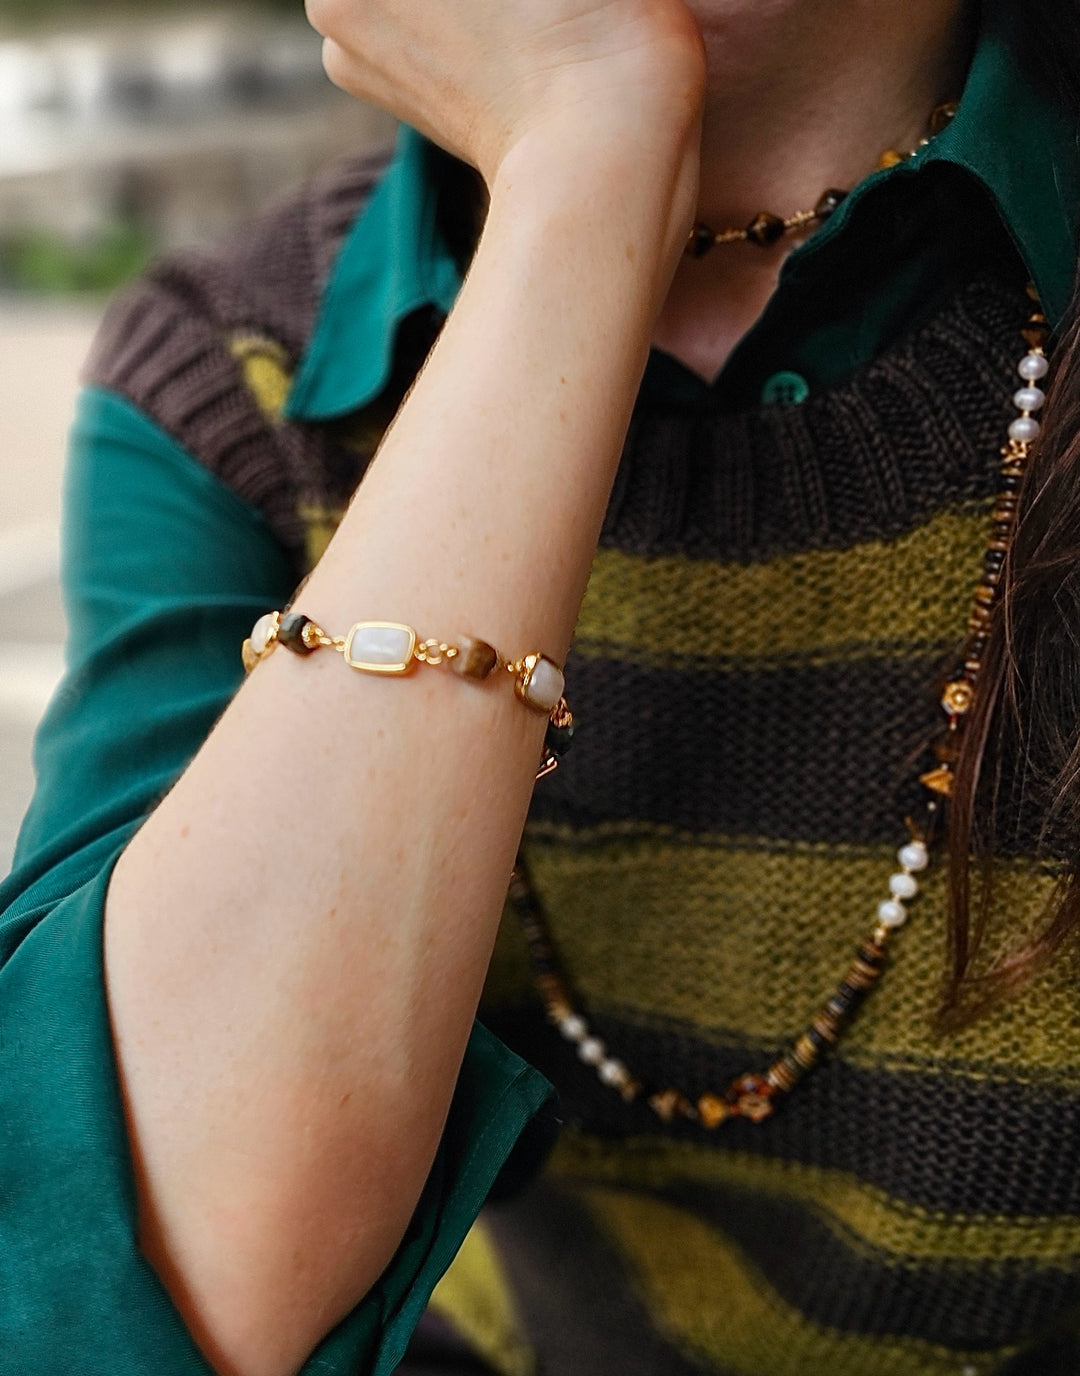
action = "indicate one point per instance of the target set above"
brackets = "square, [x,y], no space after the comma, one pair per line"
[165,570]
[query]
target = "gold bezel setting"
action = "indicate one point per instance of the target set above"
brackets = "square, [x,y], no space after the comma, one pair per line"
[400,665]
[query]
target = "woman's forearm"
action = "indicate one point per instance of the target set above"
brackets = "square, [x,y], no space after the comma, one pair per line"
[297,938]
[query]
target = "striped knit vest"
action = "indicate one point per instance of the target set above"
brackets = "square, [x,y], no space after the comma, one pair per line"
[755,672]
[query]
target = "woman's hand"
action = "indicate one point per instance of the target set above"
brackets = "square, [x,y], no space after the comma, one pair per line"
[478,76]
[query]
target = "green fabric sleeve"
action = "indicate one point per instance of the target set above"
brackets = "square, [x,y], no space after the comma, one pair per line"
[165,570]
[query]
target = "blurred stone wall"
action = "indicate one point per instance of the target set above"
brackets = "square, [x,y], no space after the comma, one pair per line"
[182,126]
[146,133]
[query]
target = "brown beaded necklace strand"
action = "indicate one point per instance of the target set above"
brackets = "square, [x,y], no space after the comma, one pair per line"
[765,229]
[755,1096]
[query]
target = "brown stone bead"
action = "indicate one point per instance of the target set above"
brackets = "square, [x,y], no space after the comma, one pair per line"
[942,117]
[765,229]
[291,633]
[700,241]
[830,203]
[474,658]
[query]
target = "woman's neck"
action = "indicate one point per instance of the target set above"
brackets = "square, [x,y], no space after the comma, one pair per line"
[803,95]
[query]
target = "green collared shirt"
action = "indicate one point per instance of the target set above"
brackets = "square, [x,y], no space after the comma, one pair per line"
[832,309]
[165,569]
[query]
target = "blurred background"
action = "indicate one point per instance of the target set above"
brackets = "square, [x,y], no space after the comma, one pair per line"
[123,131]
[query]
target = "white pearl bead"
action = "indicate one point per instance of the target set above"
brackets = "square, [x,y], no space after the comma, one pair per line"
[891,913]
[1029,399]
[1024,429]
[1032,367]
[613,1072]
[592,1051]
[262,631]
[914,856]
[903,886]
[573,1028]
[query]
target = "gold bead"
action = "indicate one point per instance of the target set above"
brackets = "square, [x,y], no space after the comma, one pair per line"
[938,781]
[712,1111]
[669,1103]
[958,697]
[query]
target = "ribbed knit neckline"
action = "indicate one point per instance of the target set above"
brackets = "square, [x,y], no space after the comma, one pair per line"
[870,458]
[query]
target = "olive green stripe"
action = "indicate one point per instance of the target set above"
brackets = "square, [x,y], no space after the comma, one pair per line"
[742,943]
[908,596]
[865,1218]
[475,1298]
[708,1298]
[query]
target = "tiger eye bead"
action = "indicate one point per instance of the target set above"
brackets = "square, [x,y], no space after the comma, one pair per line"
[474,659]
[291,633]
[830,203]
[700,241]
[765,229]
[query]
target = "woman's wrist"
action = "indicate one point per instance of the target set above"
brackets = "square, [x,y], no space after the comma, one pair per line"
[614,194]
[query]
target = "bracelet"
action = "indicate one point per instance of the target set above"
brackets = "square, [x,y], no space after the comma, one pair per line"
[391,647]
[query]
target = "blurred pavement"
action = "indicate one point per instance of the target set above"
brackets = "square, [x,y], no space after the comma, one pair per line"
[41,351]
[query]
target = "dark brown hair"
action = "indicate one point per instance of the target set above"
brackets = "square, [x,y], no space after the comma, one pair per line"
[1018,777]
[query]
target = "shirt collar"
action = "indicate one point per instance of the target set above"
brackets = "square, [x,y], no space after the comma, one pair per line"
[1019,145]
[394,260]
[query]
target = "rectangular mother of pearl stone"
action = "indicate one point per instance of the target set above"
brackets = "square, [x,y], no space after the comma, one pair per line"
[380,647]
[543,684]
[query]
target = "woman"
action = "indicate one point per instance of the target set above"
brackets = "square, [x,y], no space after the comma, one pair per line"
[260,1154]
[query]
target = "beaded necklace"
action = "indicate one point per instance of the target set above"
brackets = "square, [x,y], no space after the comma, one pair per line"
[754,1096]
[766,229]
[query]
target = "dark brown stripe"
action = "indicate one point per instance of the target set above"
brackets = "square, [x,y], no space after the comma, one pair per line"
[822,753]
[974,1307]
[938,1141]
[580,1306]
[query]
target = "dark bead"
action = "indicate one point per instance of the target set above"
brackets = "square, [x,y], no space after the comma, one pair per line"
[765,229]
[1011,483]
[291,633]
[701,240]
[558,738]
[994,558]
[819,1042]
[830,203]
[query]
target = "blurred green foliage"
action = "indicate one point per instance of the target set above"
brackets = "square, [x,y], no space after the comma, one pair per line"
[42,262]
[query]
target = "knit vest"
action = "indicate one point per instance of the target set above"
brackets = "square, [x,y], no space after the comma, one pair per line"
[774,600]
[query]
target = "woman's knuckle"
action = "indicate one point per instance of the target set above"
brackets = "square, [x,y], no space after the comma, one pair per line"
[336,63]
